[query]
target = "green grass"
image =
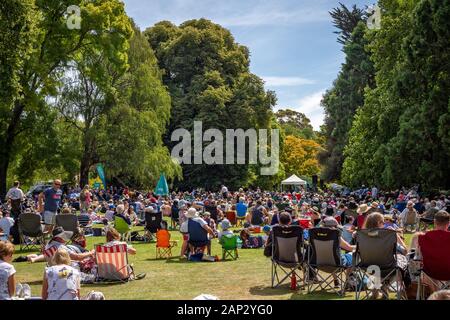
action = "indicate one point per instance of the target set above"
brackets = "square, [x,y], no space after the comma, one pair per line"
[175,279]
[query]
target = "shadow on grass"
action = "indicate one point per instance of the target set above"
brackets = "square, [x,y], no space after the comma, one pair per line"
[300,294]
[317,295]
[269,291]
[27,251]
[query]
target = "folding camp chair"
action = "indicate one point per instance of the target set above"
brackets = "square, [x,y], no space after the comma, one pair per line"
[229,246]
[324,254]
[69,222]
[164,245]
[287,255]
[376,250]
[231,216]
[123,228]
[435,251]
[30,231]
[112,263]
[153,221]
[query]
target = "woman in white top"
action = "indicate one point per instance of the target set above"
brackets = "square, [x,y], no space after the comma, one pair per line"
[61,281]
[7,271]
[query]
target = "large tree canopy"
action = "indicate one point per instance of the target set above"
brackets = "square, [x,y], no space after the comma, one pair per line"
[44,48]
[401,135]
[208,77]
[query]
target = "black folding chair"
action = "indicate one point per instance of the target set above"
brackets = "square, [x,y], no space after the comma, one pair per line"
[30,231]
[324,255]
[69,222]
[376,251]
[287,253]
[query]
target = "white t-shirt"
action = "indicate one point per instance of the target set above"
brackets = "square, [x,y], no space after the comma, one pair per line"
[63,282]
[14,194]
[5,224]
[225,233]
[6,270]
[184,225]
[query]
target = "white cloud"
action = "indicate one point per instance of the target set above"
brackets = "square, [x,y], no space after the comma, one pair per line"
[310,106]
[286,81]
[228,13]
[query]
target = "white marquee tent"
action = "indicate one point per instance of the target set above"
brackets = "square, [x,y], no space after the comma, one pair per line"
[293,181]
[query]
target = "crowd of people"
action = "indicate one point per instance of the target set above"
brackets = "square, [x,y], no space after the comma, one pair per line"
[210,215]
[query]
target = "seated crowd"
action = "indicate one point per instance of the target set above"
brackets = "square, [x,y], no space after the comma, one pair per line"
[201,216]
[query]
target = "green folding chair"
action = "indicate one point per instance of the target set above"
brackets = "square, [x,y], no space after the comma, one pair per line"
[229,246]
[123,228]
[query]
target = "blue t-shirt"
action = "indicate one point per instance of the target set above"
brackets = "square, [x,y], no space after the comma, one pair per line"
[241,209]
[52,198]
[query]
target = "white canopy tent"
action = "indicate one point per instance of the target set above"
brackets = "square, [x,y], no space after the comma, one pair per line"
[293,181]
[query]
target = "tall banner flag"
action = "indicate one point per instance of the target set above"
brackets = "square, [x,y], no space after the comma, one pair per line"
[162,189]
[101,174]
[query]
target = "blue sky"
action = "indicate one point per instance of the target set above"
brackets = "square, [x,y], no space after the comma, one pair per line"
[292,44]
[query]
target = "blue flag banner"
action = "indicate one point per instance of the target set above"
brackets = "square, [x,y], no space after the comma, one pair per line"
[162,189]
[101,174]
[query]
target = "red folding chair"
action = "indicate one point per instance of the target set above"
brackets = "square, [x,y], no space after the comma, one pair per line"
[360,221]
[231,216]
[49,253]
[435,251]
[112,262]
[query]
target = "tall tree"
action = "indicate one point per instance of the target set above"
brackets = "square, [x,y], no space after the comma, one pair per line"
[49,45]
[346,20]
[300,156]
[343,99]
[405,120]
[118,109]
[295,123]
[208,77]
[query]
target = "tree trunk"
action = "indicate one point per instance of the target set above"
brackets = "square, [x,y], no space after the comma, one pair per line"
[88,157]
[6,149]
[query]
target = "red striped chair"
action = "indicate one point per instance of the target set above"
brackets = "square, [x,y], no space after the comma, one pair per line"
[112,263]
[49,253]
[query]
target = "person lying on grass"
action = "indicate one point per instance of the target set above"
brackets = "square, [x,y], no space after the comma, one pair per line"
[60,238]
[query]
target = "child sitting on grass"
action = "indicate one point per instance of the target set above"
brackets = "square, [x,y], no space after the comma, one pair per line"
[7,271]
[249,241]
[226,225]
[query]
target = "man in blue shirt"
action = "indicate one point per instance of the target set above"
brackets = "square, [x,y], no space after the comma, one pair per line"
[52,198]
[241,209]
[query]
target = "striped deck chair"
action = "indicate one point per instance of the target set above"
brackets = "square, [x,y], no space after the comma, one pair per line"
[49,253]
[112,263]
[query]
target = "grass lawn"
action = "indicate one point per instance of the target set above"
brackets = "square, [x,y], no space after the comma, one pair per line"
[246,278]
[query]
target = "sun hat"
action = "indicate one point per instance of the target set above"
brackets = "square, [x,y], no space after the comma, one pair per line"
[374,205]
[363,208]
[191,213]
[330,222]
[225,224]
[59,232]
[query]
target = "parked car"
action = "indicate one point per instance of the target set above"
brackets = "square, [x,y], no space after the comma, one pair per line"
[41,186]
